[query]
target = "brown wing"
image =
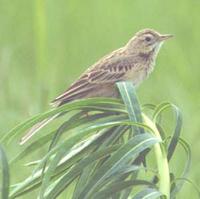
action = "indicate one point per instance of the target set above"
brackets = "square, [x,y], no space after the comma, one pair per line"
[109,71]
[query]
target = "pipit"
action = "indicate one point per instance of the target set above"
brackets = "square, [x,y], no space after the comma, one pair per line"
[133,62]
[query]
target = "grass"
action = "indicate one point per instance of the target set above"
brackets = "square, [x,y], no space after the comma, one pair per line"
[105,145]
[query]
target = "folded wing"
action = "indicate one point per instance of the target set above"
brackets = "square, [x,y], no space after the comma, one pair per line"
[109,71]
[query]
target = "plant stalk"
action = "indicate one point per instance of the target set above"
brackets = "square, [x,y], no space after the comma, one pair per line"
[162,162]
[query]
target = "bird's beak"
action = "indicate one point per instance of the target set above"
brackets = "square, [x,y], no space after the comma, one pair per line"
[165,37]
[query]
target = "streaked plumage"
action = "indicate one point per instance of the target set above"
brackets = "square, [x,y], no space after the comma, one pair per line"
[133,62]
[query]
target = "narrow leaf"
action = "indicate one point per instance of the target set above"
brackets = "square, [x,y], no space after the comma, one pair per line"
[128,151]
[129,97]
[5,175]
[119,186]
[148,193]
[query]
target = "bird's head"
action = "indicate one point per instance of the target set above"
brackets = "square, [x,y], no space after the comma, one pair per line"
[147,40]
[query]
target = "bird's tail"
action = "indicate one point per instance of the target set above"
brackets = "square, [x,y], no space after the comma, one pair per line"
[36,128]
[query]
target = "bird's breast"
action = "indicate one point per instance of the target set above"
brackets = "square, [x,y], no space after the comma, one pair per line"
[139,72]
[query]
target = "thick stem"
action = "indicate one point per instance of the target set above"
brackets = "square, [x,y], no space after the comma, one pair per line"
[162,162]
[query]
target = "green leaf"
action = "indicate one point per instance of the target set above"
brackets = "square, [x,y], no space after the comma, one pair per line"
[99,144]
[125,194]
[34,146]
[196,188]
[186,170]
[74,139]
[63,149]
[149,106]
[97,103]
[129,97]
[148,193]
[111,138]
[83,178]
[128,151]
[5,174]
[82,133]
[176,134]
[69,124]
[73,122]
[119,186]
[75,154]
[73,173]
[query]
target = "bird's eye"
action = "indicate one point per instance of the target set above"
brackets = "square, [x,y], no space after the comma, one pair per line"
[147,38]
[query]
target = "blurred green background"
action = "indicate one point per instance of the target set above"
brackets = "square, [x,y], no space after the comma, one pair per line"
[45,45]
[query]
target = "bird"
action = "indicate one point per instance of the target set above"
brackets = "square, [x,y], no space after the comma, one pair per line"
[132,62]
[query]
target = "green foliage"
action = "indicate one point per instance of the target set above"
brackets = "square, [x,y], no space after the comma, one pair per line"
[103,156]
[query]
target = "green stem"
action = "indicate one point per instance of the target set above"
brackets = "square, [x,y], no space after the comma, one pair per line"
[41,51]
[162,162]
[41,37]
